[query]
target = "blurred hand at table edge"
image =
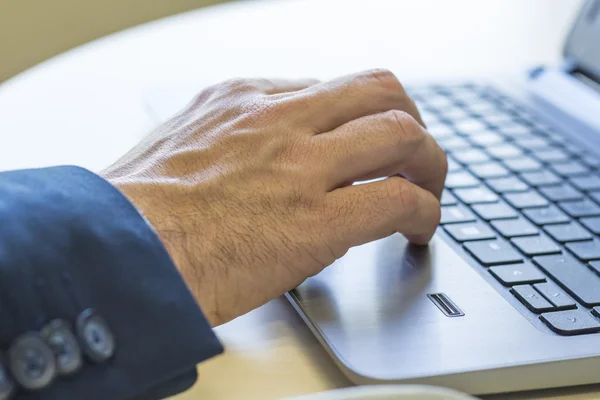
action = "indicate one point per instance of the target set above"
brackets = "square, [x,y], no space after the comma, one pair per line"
[250,186]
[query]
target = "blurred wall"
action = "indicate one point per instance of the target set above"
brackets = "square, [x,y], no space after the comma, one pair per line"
[34,30]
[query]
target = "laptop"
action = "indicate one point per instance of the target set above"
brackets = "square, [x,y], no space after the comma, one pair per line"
[507,295]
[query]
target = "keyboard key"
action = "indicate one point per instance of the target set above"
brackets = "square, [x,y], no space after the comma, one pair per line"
[570,168]
[546,215]
[563,192]
[489,170]
[504,151]
[448,198]
[586,183]
[585,251]
[487,138]
[494,211]
[438,101]
[595,266]
[500,118]
[517,274]
[593,224]
[581,208]
[571,232]
[551,155]
[455,113]
[522,164]
[493,252]
[476,195]
[456,214]
[591,160]
[595,196]
[473,156]
[526,199]
[536,245]
[453,165]
[555,295]
[515,227]
[507,185]
[541,178]
[531,298]
[470,231]
[470,126]
[579,281]
[461,179]
[454,143]
[532,142]
[571,322]
[515,130]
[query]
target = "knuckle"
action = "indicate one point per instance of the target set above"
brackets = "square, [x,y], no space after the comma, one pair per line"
[385,78]
[401,194]
[237,86]
[404,127]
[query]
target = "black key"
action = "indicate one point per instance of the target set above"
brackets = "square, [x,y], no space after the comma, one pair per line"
[517,274]
[470,127]
[486,139]
[570,168]
[551,155]
[536,245]
[504,151]
[581,208]
[489,170]
[476,195]
[494,211]
[470,231]
[555,295]
[454,143]
[546,215]
[593,224]
[541,178]
[532,142]
[585,251]
[526,199]
[461,179]
[453,165]
[493,252]
[591,160]
[515,227]
[515,130]
[507,185]
[579,281]
[586,183]
[563,192]
[595,196]
[456,214]
[522,164]
[595,266]
[571,232]
[472,156]
[571,322]
[448,198]
[531,299]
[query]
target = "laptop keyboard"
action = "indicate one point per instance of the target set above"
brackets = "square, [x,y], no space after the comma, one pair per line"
[522,201]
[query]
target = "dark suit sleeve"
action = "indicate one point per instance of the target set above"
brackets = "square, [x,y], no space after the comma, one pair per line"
[74,250]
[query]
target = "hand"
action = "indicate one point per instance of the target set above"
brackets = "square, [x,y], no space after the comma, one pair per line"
[250,187]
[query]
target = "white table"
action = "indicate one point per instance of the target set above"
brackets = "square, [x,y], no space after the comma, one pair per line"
[85,107]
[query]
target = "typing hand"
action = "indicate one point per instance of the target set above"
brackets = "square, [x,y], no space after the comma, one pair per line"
[250,187]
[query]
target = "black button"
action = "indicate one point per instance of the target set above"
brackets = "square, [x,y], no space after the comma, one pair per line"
[64,345]
[7,386]
[531,298]
[571,322]
[31,362]
[96,338]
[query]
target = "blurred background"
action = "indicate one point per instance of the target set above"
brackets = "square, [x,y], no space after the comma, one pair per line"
[34,30]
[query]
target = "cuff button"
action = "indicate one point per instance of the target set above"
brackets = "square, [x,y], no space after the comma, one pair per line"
[64,345]
[96,338]
[7,386]
[31,362]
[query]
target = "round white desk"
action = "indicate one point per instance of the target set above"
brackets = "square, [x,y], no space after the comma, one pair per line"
[87,107]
